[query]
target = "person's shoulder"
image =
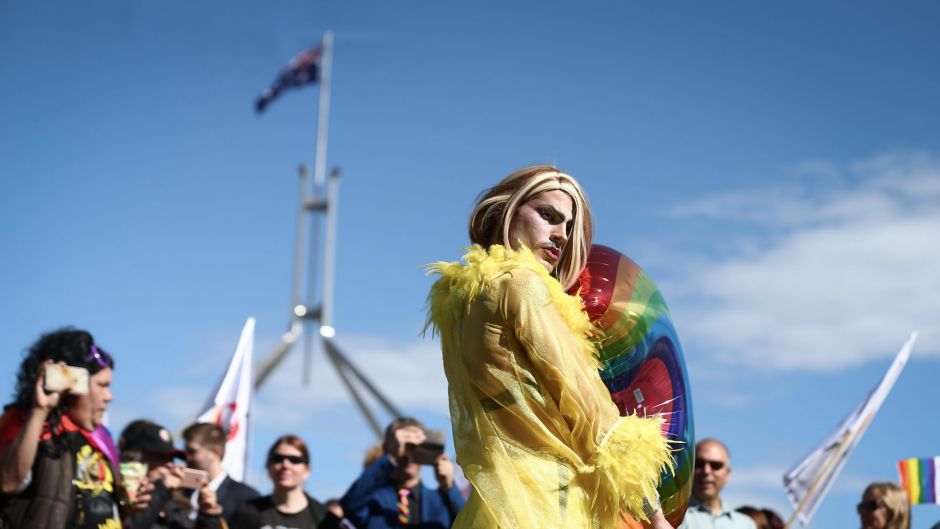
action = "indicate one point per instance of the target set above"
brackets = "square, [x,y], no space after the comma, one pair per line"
[318,509]
[694,517]
[239,487]
[258,504]
[248,513]
[484,267]
[521,280]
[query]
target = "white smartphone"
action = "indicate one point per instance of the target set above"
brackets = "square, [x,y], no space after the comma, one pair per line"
[60,377]
[193,478]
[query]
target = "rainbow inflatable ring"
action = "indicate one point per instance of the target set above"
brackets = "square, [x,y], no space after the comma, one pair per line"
[643,366]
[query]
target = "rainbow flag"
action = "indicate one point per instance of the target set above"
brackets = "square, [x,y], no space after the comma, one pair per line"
[920,477]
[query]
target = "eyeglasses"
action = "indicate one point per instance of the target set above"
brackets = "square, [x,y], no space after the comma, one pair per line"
[274,459]
[700,464]
[869,506]
[100,357]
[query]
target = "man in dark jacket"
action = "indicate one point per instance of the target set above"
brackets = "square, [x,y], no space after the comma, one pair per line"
[390,494]
[205,448]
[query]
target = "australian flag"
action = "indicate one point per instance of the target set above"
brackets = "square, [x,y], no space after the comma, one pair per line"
[302,69]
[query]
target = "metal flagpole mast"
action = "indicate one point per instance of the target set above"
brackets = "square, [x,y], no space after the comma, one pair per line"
[323,115]
[306,313]
[319,169]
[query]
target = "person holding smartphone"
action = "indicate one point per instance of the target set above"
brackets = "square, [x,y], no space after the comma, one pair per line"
[159,502]
[58,464]
[389,492]
[205,450]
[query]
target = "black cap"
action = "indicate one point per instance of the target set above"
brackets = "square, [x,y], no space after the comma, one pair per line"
[149,438]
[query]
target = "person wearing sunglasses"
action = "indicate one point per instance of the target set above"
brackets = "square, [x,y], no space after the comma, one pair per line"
[709,477]
[288,506]
[884,506]
[58,463]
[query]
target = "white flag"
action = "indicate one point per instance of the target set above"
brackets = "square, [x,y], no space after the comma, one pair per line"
[808,482]
[230,406]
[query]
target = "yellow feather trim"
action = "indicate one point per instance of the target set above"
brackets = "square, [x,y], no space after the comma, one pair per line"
[460,284]
[631,458]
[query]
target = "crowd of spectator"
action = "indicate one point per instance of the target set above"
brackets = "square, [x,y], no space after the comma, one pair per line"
[60,468]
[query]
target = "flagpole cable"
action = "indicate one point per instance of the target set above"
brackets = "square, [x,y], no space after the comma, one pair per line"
[323,115]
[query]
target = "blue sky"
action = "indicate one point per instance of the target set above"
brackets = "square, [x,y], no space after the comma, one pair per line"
[774,167]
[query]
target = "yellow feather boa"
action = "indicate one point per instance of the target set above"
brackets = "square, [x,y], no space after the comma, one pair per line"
[461,283]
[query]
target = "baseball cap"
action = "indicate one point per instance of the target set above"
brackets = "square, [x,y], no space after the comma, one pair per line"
[149,438]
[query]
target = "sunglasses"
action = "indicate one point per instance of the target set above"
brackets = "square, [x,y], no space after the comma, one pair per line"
[869,506]
[280,458]
[100,357]
[700,464]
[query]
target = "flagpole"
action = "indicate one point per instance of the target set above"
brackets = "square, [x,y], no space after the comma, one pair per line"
[323,116]
[822,474]
[319,170]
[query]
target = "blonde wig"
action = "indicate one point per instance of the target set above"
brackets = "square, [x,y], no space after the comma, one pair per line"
[896,502]
[496,207]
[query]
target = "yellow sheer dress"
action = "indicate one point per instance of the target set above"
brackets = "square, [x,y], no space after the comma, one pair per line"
[535,430]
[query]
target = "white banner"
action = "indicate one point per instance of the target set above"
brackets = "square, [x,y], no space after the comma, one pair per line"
[809,481]
[230,406]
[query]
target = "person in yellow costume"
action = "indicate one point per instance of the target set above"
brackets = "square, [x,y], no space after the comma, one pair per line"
[535,430]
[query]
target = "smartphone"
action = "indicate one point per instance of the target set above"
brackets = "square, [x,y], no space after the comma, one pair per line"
[60,377]
[427,452]
[132,474]
[193,479]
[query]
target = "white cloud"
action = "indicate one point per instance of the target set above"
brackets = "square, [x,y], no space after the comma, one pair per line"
[759,477]
[777,206]
[839,278]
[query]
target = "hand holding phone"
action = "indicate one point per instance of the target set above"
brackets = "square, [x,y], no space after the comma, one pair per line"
[444,472]
[60,377]
[427,452]
[208,501]
[193,479]
[405,438]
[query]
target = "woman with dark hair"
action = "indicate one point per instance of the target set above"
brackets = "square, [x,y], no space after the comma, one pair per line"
[774,521]
[760,519]
[58,464]
[535,429]
[288,506]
